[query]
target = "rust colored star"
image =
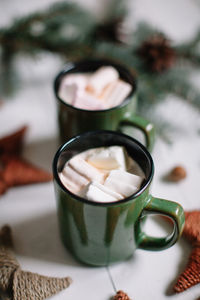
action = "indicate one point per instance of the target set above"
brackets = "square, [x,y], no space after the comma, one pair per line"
[13,143]
[191,275]
[14,170]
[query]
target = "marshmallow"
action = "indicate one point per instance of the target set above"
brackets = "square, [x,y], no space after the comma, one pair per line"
[68,93]
[108,158]
[115,93]
[123,182]
[80,79]
[70,185]
[126,177]
[122,188]
[74,176]
[85,169]
[88,101]
[102,77]
[98,192]
[98,91]
[70,87]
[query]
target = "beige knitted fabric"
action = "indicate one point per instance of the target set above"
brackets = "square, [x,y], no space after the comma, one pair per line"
[8,263]
[8,266]
[31,286]
[22,285]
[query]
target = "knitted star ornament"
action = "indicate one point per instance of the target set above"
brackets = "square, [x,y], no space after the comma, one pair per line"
[22,285]
[14,170]
[191,275]
[32,286]
[120,295]
[8,263]
[13,143]
[18,171]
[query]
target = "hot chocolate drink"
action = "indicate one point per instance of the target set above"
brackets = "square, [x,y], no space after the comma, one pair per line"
[100,90]
[104,174]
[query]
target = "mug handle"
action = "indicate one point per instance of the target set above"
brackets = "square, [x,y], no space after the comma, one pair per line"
[145,126]
[167,208]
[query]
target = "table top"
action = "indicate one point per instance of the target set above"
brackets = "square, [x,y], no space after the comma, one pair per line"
[31,210]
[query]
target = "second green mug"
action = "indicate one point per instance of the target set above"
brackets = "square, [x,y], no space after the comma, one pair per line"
[73,120]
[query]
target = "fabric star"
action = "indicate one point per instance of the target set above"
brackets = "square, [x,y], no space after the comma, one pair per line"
[21,285]
[120,295]
[13,143]
[192,226]
[191,275]
[14,170]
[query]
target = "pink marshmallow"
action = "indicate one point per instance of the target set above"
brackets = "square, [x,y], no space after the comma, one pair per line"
[80,80]
[89,102]
[71,86]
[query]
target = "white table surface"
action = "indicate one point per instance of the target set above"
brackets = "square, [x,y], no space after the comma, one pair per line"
[31,210]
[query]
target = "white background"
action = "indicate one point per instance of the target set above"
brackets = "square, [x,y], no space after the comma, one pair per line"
[31,210]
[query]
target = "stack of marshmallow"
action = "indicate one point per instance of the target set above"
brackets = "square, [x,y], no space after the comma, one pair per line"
[100,90]
[100,174]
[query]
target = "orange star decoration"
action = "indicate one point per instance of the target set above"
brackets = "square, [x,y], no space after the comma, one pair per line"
[14,170]
[191,274]
[17,284]
[120,295]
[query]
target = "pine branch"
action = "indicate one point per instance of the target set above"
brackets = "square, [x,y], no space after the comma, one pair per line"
[119,53]
[117,10]
[190,51]
[142,33]
[63,25]
[73,33]
[7,74]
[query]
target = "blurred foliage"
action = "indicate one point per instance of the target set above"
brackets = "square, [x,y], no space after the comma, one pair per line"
[73,33]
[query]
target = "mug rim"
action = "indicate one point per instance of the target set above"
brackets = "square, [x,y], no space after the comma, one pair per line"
[71,65]
[95,203]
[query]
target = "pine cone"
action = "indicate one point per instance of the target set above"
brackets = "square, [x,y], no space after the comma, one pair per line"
[157,54]
[121,296]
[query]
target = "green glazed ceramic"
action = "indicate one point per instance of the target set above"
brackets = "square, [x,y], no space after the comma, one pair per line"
[73,121]
[103,233]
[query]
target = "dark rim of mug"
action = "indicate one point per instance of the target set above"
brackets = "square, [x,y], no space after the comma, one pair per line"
[70,66]
[131,197]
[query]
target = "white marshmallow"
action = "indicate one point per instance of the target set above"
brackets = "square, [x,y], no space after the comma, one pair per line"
[84,174]
[74,176]
[68,93]
[70,87]
[123,182]
[126,177]
[115,93]
[85,169]
[98,192]
[70,185]
[88,101]
[108,158]
[122,188]
[80,79]
[101,78]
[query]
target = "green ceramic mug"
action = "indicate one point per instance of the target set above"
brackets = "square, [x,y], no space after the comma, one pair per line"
[73,121]
[103,233]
